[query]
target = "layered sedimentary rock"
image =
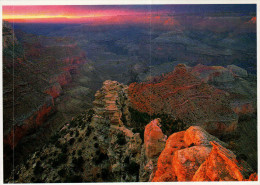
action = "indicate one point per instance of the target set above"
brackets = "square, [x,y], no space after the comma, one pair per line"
[38,117]
[109,123]
[185,97]
[34,76]
[101,146]
[235,81]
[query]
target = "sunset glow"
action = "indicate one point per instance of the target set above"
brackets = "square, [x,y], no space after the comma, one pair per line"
[66,14]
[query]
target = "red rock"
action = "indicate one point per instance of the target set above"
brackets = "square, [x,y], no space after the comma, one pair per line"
[154,139]
[54,90]
[185,97]
[186,162]
[164,171]
[221,165]
[177,162]
[196,135]
[253,177]
[18,132]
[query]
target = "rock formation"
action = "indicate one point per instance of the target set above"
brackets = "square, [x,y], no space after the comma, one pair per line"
[235,81]
[189,156]
[33,95]
[101,146]
[187,98]
[154,142]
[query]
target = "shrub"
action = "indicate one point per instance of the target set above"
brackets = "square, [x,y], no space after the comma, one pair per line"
[79,152]
[71,141]
[38,169]
[62,172]
[43,157]
[74,178]
[121,139]
[80,139]
[64,148]
[100,157]
[96,145]
[61,159]
[54,138]
[132,168]
[77,133]
[78,163]
[88,131]
[105,174]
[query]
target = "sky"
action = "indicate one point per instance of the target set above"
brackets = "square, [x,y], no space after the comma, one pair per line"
[109,13]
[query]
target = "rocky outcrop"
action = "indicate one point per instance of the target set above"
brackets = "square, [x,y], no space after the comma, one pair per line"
[189,156]
[222,165]
[110,124]
[154,139]
[111,149]
[197,136]
[233,80]
[154,142]
[185,162]
[101,146]
[186,98]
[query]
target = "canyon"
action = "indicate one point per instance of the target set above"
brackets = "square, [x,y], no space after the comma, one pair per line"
[102,145]
[156,101]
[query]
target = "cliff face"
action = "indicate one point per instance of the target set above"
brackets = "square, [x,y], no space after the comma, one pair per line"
[234,80]
[184,96]
[97,146]
[32,83]
[154,142]
[35,76]
[101,145]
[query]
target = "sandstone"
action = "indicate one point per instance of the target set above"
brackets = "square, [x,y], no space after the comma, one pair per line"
[196,135]
[186,161]
[189,156]
[222,165]
[185,97]
[154,139]
[165,171]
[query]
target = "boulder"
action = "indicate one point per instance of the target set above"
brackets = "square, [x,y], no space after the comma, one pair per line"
[164,171]
[186,162]
[222,165]
[196,135]
[154,139]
